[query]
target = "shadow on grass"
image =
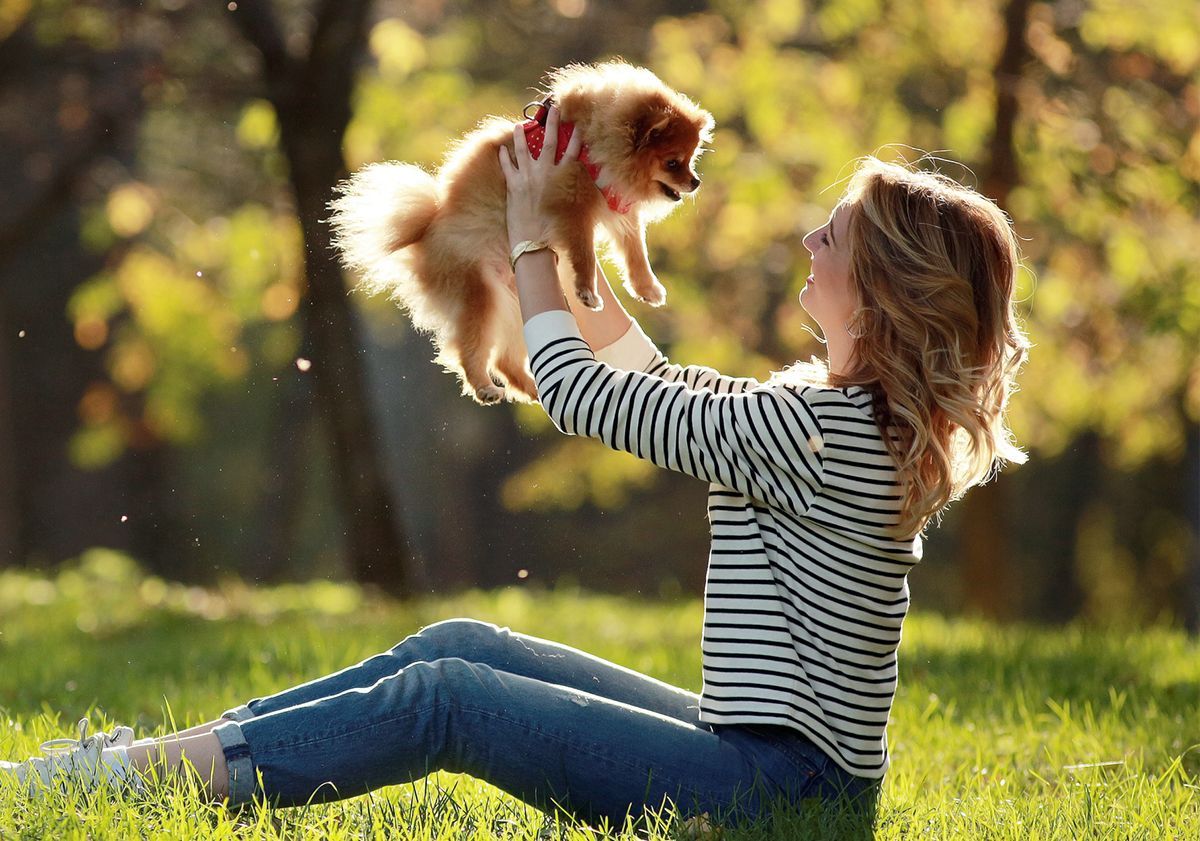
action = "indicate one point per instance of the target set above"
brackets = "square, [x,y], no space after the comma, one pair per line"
[979,680]
[1033,676]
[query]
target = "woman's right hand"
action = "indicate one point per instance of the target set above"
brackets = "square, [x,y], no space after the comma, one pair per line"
[528,179]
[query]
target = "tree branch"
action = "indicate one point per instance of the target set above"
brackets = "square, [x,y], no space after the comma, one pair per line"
[26,220]
[336,37]
[257,22]
[1002,173]
[12,45]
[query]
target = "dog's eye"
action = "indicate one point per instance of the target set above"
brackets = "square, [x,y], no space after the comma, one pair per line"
[673,164]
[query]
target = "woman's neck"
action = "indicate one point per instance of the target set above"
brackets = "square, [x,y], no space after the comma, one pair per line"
[840,351]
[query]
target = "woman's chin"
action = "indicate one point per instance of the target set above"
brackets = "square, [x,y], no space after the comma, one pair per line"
[806,304]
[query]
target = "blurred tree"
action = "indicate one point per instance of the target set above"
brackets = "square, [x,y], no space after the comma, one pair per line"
[70,85]
[196,310]
[189,308]
[310,90]
[1082,119]
[983,540]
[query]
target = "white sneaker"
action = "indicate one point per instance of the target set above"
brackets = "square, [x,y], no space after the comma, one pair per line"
[89,761]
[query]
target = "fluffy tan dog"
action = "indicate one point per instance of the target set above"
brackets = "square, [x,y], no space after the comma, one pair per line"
[439,244]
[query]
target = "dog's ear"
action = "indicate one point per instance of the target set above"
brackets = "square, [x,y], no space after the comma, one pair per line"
[652,119]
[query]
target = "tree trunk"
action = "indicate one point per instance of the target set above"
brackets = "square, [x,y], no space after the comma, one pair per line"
[283,485]
[984,540]
[10,511]
[377,553]
[311,95]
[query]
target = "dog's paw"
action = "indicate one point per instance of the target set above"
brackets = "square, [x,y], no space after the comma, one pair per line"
[489,394]
[654,294]
[590,299]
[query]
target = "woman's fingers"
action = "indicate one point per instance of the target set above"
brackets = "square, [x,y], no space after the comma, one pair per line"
[520,146]
[573,147]
[521,156]
[550,146]
[506,162]
[520,159]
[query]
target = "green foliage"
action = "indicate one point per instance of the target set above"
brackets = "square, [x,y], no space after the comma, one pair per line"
[203,257]
[186,316]
[1108,213]
[1004,733]
[1107,199]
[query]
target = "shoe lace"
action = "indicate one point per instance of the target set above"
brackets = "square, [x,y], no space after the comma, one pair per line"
[84,741]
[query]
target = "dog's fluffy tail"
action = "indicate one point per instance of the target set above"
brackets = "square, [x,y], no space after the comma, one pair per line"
[380,211]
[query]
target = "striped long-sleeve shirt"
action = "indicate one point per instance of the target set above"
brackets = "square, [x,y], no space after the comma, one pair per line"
[807,584]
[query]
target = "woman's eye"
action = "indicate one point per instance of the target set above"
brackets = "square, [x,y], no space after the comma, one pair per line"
[673,164]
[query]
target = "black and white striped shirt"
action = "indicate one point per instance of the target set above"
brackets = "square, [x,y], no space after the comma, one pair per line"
[807,575]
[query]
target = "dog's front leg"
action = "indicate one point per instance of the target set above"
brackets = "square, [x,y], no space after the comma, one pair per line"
[640,281]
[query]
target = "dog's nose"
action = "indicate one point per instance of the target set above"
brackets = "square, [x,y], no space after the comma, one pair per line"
[695,182]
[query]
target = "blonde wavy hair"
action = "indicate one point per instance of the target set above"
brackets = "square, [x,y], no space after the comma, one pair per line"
[937,341]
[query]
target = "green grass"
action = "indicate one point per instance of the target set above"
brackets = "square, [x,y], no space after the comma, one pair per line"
[997,732]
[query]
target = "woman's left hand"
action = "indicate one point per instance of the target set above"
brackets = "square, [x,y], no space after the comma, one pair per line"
[529,179]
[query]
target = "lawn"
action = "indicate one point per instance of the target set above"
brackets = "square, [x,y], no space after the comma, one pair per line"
[997,732]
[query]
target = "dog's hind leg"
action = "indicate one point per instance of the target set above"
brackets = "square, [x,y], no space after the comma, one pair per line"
[516,374]
[474,338]
[510,360]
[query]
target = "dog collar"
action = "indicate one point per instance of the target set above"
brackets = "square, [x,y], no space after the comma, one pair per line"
[535,137]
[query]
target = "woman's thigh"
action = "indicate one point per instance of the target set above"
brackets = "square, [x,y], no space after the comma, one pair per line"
[549,744]
[500,648]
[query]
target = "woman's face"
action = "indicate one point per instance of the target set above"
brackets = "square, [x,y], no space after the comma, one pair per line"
[827,295]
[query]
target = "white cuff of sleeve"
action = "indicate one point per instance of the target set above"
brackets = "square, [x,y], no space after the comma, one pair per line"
[634,351]
[547,326]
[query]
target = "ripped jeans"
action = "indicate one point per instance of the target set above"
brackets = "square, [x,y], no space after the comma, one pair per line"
[547,723]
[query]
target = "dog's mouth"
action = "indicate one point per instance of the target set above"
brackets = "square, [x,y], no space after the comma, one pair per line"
[670,192]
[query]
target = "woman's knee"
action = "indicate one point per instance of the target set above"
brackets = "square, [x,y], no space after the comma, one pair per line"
[458,637]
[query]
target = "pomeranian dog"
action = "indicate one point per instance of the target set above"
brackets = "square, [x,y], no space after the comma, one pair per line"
[439,244]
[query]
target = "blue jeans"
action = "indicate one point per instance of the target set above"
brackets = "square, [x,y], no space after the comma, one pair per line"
[546,723]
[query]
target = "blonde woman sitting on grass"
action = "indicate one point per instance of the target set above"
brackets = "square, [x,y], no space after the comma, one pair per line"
[821,481]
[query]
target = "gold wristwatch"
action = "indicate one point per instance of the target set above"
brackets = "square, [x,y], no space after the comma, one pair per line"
[524,247]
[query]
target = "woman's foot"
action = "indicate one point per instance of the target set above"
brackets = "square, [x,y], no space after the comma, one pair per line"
[88,762]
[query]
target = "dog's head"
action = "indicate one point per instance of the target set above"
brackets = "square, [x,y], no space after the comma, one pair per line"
[665,135]
[646,135]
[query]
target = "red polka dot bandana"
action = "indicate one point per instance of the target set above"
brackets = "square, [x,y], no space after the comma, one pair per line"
[535,137]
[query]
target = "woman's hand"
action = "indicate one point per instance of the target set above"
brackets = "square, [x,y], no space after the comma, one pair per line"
[529,180]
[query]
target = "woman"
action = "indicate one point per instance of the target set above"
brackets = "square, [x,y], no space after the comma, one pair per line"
[816,518]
